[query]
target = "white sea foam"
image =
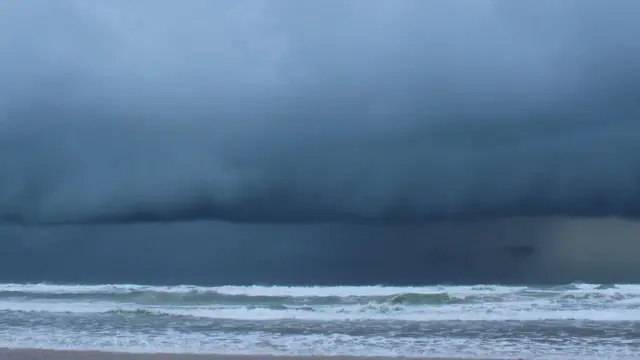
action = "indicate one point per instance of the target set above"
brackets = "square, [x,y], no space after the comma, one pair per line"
[329,344]
[293,291]
[579,301]
[302,291]
[590,303]
[521,311]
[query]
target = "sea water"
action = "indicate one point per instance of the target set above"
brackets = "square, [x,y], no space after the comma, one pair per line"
[580,321]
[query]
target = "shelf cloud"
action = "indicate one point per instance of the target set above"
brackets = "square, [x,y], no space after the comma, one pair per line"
[342,111]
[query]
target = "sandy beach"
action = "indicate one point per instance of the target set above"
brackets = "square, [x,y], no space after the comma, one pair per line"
[41,354]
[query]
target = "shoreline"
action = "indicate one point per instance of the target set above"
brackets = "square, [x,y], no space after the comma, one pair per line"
[72,354]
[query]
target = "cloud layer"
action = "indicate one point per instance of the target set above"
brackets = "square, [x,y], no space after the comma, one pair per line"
[277,111]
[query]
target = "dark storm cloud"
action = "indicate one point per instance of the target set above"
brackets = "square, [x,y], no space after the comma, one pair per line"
[264,111]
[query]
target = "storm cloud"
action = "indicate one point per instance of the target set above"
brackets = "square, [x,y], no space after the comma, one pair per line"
[308,111]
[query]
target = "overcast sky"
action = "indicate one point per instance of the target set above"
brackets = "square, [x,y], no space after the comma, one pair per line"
[318,110]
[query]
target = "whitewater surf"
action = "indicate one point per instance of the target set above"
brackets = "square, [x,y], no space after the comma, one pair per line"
[574,321]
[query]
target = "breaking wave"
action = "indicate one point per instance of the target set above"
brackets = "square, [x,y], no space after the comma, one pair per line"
[449,321]
[575,301]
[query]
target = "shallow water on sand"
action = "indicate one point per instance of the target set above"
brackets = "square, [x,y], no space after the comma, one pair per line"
[571,321]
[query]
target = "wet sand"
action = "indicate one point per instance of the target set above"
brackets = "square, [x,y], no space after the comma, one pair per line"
[37,354]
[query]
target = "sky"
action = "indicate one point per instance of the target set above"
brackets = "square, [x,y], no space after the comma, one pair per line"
[423,118]
[286,111]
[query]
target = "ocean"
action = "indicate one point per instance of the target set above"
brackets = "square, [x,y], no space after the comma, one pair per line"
[581,321]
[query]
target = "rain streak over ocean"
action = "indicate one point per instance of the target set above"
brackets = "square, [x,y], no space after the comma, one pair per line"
[580,321]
